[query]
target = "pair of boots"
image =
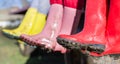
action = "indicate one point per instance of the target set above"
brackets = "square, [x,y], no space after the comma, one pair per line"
[60,20]
[101,33]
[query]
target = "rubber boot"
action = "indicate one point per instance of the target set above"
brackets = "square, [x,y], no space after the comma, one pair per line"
[113,31]
[71,17]
[92,37]
[51,29]
[27,21]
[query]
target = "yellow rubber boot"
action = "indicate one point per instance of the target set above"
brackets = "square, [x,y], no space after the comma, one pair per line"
[25,25]
[26,22]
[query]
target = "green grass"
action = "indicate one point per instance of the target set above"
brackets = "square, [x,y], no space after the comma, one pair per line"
[9,52]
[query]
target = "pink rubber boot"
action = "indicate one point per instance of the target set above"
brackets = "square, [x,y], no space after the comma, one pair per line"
[52,27]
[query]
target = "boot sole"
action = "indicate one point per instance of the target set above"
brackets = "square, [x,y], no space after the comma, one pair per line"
[10,35]
[97,48]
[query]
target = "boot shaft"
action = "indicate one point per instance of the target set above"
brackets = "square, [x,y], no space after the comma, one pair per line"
[95,17]
[113,25]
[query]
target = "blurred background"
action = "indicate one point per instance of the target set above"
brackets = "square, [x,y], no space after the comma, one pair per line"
[11,14]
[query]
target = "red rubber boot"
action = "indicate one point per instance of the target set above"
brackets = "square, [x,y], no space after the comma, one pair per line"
[52,27]
[113,29]
[92,37]
[72,13]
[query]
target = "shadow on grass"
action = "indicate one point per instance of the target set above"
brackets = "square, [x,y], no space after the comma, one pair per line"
[39,56]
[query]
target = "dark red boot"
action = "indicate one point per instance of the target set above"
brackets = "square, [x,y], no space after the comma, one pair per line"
[92,37]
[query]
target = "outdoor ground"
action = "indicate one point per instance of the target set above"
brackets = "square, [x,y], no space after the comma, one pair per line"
[9,52]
